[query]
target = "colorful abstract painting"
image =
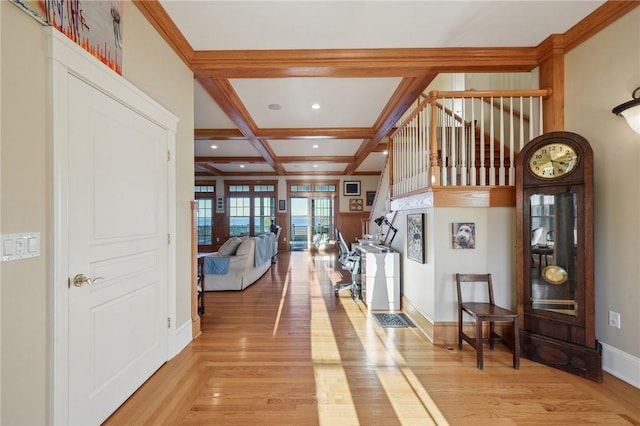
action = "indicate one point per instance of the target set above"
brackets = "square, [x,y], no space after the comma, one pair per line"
[96,25]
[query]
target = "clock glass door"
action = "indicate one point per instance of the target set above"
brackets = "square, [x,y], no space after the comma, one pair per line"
[553,273]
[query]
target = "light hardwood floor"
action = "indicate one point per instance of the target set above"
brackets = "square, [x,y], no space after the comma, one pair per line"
[286,351]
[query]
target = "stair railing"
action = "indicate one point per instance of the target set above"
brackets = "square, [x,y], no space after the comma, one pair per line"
[467,138]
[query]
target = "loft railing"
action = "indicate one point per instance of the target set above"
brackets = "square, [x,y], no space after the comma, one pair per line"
[465,138]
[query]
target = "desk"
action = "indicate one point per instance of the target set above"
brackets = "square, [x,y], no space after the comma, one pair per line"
[380,276]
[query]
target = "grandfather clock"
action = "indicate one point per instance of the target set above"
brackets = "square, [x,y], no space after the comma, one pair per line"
[554,209]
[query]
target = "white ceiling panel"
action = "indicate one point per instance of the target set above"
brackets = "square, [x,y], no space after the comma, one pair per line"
[230,148]
[250,25]
[304,147]
[354,102]
[309,167]
[374,162]
[248,168]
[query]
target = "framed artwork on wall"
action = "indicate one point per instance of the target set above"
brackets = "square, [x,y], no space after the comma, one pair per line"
[371,196]
[415,237]
[463,235]
[355,205]
[94,25]
[351,188]
[282,205]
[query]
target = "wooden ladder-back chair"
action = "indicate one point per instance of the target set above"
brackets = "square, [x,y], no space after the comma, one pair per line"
[485,312]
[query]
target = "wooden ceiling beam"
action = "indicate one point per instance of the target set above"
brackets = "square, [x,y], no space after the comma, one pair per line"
[160,20]
[208,168]
[595,22]
[288,133]
[288,159]
[317,133]
[218,134]
[317,159]
[406,62]
[227,160]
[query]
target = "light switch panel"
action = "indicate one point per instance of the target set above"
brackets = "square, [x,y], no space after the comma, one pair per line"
[8,247]
[20,246]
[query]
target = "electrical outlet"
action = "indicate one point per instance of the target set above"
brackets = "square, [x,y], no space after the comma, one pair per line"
[614,319]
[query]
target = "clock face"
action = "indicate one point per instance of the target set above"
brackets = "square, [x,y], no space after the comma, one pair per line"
[553,160]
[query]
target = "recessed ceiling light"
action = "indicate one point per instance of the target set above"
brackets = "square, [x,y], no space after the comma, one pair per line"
[214,146]
[242,166]
[315,106]
[385,152]
[316,146]
[275,107]
[315,165]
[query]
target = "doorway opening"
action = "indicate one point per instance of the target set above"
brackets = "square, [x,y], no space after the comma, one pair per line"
[312,222]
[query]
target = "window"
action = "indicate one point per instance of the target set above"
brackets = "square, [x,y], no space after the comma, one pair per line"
[264,212]
[300,188]
[205,199]
[252,207]
[239,216]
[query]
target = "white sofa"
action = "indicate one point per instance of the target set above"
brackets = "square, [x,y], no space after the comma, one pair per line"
[237,271]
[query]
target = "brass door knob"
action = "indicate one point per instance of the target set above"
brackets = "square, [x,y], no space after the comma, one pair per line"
[80,279]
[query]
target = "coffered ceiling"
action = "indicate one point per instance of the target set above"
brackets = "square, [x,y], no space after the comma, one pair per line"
[259,67]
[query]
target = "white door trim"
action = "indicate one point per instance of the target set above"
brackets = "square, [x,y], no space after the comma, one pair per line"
[65,58]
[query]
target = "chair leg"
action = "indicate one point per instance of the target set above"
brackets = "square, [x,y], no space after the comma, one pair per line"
[516,344]
[479,343]
[492,332]
[459,328]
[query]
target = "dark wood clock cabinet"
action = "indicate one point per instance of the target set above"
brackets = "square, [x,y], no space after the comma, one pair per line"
[555,261]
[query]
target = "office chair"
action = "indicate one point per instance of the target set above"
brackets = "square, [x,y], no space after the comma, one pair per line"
[350,261]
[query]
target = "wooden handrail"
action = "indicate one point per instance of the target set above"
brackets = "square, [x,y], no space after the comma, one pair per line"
[544,93]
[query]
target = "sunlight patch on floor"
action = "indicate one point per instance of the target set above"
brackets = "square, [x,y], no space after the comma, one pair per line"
[283,298]
[335,404]
[410,400]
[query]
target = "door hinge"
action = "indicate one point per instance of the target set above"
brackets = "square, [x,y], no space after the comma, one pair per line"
[168,155]
[168,239]
[168,322]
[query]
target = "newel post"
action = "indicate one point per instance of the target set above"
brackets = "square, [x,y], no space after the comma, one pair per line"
[433,148]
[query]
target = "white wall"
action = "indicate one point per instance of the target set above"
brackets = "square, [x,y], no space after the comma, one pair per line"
[494,253]
[25,192]
[0,211]
[430,287]
[418,284]
[600,74]
[24,196]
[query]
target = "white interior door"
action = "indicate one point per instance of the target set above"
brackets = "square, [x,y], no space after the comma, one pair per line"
[117,221]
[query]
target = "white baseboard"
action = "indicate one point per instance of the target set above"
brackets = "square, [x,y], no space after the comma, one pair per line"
[183,337]
[621,364]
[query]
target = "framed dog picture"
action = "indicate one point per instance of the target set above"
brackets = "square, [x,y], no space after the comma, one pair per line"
[415,237]
[463,235]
